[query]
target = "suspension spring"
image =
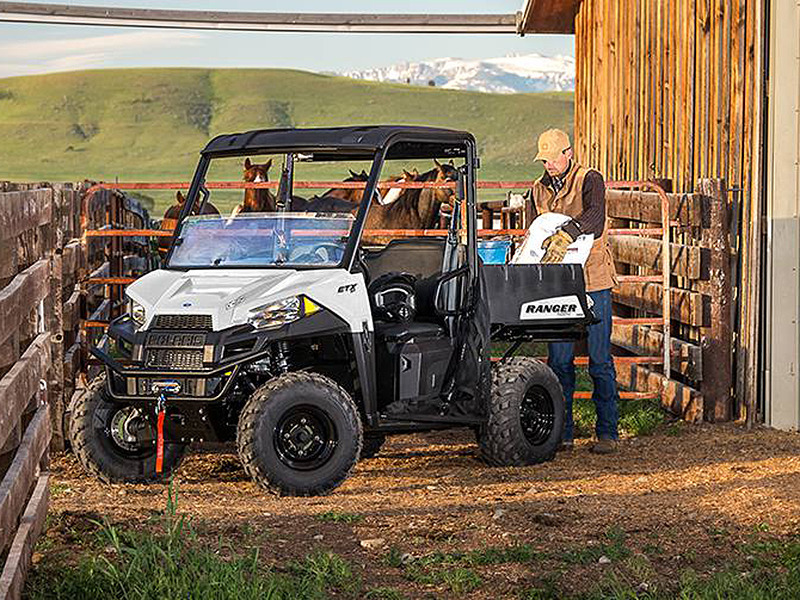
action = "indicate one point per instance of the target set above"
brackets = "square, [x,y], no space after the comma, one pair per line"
[282,356]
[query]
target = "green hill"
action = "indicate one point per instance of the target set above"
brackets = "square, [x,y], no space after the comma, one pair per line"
[149,124]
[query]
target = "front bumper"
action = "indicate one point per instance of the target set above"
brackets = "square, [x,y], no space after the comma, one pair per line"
[206,363]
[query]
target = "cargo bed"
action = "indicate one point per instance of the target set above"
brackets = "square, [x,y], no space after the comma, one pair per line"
[537,302]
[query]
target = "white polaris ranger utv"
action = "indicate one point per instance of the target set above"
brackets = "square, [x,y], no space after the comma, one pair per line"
[287,333]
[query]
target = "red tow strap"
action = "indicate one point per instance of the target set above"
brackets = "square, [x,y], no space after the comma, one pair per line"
[160,433]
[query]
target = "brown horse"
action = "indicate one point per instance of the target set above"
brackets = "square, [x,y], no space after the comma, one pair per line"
[256,199]
[334,199]
[349,194]
[415,208]
[347,199]
[170,220]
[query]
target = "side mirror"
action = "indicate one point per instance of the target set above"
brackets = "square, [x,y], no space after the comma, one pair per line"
[453,278]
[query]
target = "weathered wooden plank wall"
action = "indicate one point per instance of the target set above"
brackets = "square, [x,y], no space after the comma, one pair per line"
[664,89]
[668,90]
[42,307]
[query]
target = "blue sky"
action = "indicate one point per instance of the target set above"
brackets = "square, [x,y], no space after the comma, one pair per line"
[26,49]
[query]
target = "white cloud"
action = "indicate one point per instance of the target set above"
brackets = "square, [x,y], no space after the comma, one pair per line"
[47,56]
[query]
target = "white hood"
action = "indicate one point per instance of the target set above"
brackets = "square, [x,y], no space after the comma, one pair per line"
[230,295]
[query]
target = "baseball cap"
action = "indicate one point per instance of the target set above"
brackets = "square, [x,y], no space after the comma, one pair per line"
[551,144]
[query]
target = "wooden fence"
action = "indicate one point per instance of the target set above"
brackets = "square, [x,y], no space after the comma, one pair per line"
[42,355]
[700,381]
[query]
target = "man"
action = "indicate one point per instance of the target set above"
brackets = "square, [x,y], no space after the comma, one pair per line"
[579,193]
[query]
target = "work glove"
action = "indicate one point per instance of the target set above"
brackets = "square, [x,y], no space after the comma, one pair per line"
[555,247]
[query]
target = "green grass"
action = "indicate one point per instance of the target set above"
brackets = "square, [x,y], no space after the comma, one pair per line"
[168,560]
[613,548]
[150,124]
[636,417]
[172,563]
[333,516]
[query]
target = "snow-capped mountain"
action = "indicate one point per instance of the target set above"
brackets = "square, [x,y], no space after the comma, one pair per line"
[507,75]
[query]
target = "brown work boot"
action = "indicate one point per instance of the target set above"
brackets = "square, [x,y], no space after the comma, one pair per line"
[604,446]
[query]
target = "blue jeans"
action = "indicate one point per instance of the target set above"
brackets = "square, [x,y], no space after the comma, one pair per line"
[601,369]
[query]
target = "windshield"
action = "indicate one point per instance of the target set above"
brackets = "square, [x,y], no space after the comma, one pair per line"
[262,240]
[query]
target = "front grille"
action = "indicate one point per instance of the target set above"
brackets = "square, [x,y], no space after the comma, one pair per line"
[168,358]
[162,339]
[182,322]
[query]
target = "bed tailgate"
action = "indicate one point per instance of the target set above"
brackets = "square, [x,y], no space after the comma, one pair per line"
[537,302]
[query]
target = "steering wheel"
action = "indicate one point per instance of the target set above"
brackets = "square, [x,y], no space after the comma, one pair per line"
[324,252]
[393,298]
[328,250]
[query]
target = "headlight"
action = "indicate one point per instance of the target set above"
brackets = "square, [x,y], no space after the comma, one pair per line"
[137,313]
[277,314]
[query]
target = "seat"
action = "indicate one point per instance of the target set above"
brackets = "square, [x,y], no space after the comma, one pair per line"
[422,258]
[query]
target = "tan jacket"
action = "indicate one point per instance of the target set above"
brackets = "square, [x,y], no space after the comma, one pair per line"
[599,268]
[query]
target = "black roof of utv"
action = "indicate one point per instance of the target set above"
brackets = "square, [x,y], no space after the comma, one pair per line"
[346,143]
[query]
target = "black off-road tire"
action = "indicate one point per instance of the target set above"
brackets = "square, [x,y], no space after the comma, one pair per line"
[525,414]
[293,465]
[92,442]
[372,444]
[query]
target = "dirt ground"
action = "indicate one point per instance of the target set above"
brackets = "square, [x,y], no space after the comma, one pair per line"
[687,497]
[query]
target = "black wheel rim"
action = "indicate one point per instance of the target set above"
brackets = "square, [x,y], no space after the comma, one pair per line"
[305,437]
[128,431]
[537,415]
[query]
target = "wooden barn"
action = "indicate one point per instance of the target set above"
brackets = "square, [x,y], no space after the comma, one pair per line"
[704,97]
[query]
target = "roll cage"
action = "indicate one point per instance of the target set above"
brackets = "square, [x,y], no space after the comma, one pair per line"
[375,143]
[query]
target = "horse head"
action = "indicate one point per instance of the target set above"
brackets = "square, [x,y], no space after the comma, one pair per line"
[393,194]
[261,199]
[430,200]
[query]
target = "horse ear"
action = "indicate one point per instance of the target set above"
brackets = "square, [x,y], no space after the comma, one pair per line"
[179,197]
[352,173]
[451,163]
[438,165]
[247,163]
[268,164]
[364,174]
[414,172]
[407,175]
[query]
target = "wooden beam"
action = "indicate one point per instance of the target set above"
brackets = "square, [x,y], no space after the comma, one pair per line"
[66,14]
[687,359]
[73,311]
[548,16]
[20,555]
[73,260]
[718,338]
[687,307]
[687,261]
[22,213]
[646,206]
[21,383]
[681,400]
[18,480]
[22,295]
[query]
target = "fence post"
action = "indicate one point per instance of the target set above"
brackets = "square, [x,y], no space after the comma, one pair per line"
[56,321]
[717,340]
